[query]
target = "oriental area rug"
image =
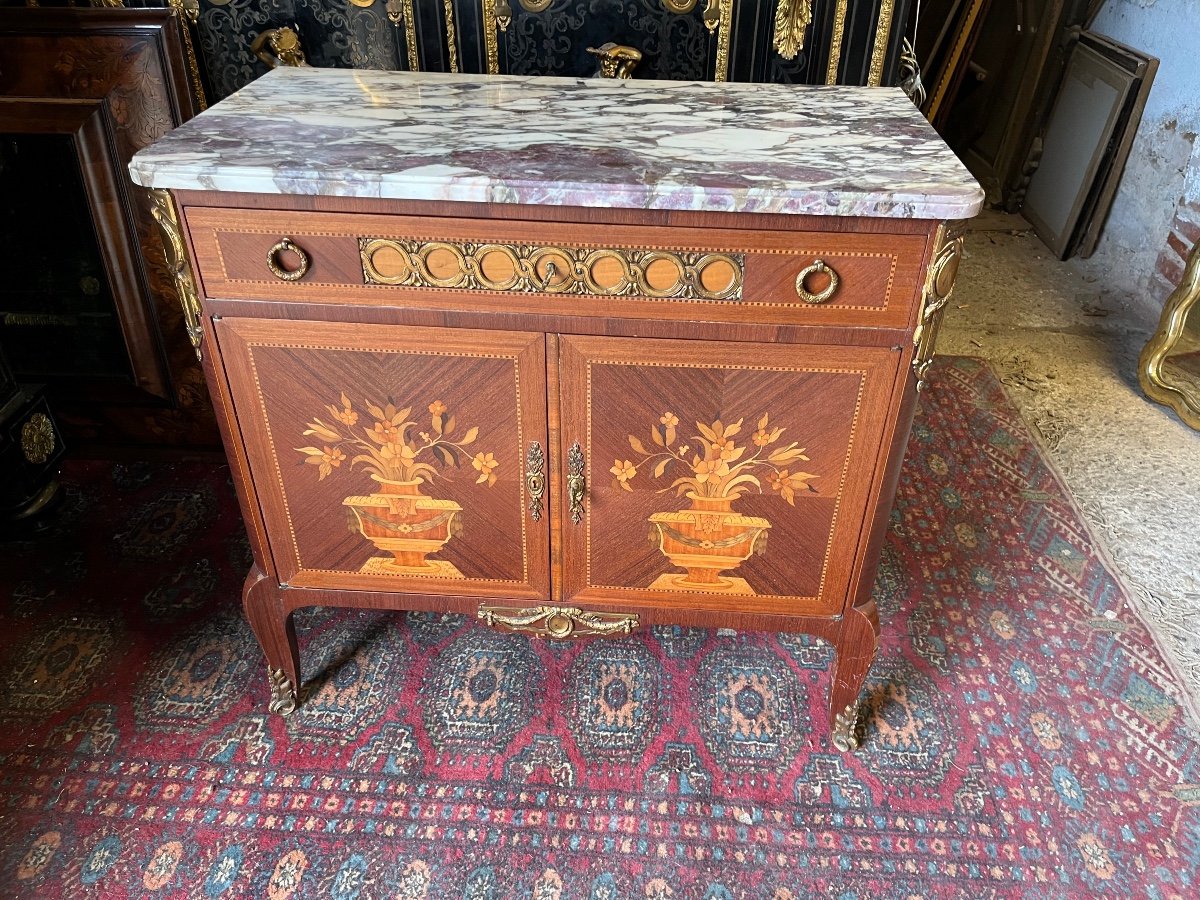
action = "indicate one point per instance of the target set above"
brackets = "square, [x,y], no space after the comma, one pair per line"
[1022,735]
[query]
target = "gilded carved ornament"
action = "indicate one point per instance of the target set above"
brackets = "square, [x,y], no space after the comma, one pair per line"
[279,47]
[37,438]
[883,30]
[519,268]
[939,285]
[191,10]
[1179,395]
[165,215]
[283,692]
[845,728]
[792,18]
[451,34]
[497,16]
[835,42]
[558,622]
[616,60]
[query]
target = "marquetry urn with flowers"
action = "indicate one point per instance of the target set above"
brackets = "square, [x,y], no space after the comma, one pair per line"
[710,537]
[400,456]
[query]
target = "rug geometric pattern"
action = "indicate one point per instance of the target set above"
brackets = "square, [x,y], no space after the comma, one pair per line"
[1023,737]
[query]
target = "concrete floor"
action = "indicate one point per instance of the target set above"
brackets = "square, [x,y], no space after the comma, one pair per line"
[1067,350]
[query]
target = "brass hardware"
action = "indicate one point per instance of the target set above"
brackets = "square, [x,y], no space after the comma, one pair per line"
[402,10]
[37,438]
[712,15]
[601,272]
[1184,299]
[883,28]
[536,6]
[502,13]
[287,244]
[835,42]
[576,482]
[845,728]
[535,479]
[792,18]
[616,60]
[819,267]
[283,692]
[551,272]
[679,7]
[279,47]
[167,218]
[939,285]
[558,622]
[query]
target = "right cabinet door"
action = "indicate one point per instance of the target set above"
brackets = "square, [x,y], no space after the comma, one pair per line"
[717,476]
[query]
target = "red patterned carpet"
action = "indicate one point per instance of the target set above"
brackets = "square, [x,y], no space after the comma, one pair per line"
[1023,736]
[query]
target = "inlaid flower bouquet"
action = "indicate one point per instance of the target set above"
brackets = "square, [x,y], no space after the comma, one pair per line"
[713,470]
[393,448]
[400,456]
[723,470]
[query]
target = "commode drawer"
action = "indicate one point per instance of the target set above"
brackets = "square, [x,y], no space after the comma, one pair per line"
[629,271]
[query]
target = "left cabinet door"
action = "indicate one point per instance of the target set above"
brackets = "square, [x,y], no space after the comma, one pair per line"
[394,458]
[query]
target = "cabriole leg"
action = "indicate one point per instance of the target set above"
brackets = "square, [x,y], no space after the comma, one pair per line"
[854,648]
[276,634]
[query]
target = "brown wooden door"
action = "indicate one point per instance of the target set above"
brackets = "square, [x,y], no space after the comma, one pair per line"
[719,476]
[393,458]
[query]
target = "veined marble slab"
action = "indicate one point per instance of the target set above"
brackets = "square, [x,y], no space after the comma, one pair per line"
[844,151]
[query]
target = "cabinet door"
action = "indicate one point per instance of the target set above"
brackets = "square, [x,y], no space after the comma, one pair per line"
[390,458]
[719,476]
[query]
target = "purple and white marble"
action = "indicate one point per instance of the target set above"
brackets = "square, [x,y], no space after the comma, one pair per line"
[836,151]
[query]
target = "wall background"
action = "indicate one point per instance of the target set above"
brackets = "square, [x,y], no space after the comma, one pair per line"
[1156,214]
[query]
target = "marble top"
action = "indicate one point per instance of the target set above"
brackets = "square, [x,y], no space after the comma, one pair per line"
[844,151]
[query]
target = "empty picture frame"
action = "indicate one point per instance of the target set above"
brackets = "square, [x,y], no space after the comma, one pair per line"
[1086,143]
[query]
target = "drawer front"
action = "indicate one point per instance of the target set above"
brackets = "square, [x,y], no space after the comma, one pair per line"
[683,274]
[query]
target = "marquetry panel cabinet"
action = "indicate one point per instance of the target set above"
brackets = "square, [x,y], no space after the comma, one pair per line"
[561,420]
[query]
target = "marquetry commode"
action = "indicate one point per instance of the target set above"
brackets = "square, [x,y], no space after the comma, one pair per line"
[573,357]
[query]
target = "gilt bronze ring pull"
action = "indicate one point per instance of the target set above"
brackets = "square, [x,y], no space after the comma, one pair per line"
[819,267]
[287,244]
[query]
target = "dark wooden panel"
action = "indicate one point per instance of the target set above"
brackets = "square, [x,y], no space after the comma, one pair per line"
[393,458]
[674,432]
[127,70]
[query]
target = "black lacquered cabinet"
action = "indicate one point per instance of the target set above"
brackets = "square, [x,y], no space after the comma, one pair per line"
[843,41]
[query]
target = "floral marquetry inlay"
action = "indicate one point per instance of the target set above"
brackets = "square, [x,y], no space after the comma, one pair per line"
[399,454]
[709,536]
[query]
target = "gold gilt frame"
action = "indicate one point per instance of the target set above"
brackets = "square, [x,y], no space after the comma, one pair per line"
[1183,398]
